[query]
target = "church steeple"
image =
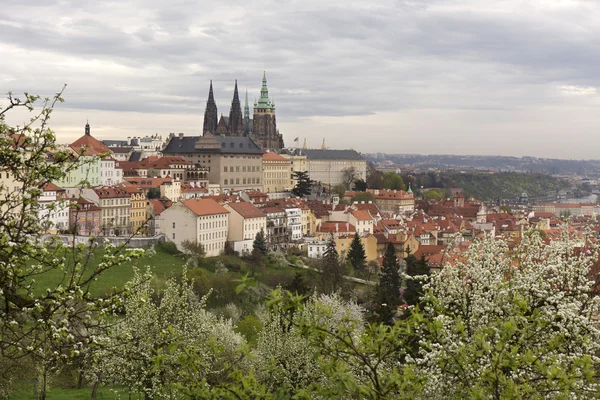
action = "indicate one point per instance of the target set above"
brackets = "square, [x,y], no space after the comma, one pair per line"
[323,145]
[246,115]
[210,113]
[87,128]
[263,101]
[236,122]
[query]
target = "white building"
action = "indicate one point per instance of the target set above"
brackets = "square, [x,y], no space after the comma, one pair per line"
[329,166]
[294,223]
[110,173]
[245,222]
[53,208]
[199,220]
[316,248]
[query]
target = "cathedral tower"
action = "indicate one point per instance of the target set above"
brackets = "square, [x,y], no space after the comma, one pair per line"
[236,122]
[264,128]
[210,114]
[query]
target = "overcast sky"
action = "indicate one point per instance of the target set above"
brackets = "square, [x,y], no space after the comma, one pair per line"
[510,77]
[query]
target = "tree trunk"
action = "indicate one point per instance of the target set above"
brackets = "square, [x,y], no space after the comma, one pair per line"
[80,380]
[95,389]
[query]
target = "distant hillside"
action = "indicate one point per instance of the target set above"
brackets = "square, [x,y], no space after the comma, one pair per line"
[499,163]
[504,185]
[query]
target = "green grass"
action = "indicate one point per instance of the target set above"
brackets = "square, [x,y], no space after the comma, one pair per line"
[104,393]
[162,266]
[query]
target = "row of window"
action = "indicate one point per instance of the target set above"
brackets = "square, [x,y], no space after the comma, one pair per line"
[213,235]
[245,181]
[115,202]
[251,168]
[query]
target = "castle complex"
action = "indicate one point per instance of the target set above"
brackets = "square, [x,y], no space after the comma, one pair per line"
[261,128]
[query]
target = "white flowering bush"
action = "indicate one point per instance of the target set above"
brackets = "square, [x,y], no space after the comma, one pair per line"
[50,326]
[144,349]
[277,259]
[220,268]
[522,323]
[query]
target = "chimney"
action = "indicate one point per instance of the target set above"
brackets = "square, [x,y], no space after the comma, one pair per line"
[347,227]
[180,135]
[337,227]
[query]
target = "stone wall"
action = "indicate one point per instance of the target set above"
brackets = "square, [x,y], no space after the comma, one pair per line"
[115,240]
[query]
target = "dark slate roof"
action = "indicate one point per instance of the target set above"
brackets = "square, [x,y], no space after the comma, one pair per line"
[229,144]
[319,154]
[115,143]
[135,156]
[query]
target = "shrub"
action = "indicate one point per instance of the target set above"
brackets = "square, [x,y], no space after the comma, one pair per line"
[168,247]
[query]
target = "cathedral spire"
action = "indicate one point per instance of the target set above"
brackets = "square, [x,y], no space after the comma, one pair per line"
[304,147]
[263,101]
[210,113]
[236,122]
[87,128]
[246,115]
[323,145]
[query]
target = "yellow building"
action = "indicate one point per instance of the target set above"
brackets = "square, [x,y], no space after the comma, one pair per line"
[299,164]
[277,173]
[369,242]
[138,216]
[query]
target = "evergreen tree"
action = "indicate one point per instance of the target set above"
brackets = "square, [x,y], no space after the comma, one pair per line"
[332,270]
[259,246]
[304,185]
[356,254]
[388,291]
[414,286]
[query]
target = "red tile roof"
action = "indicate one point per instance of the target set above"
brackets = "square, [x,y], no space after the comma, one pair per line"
[51,187]
[361,215]
[166,162]
[89,145]
[331,227]
[204,207]
[246,210]
[271,156]
[104,192]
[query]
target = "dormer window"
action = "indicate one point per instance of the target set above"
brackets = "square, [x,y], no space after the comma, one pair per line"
[232,145]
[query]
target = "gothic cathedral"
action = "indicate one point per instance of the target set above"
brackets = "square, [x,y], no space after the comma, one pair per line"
[262,128]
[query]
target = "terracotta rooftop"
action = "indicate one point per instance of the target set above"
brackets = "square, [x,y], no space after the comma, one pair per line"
[344,227]
[105,192]
[272,156]
[166,162]
[51,187]
[147,183]
[204,207]
[246,210]
[89,145]
[361,215]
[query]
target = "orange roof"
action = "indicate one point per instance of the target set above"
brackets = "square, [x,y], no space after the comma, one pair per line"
[51,187]
[272,210]
[147,183]
[336,227]
[165,162]
[104,192]
[158,206]
[271,156]
[361,215]
[204,207]
[247,210]
[129,188]
[89,145]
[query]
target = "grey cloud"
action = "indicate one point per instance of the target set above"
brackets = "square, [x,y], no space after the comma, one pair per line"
[322,58]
